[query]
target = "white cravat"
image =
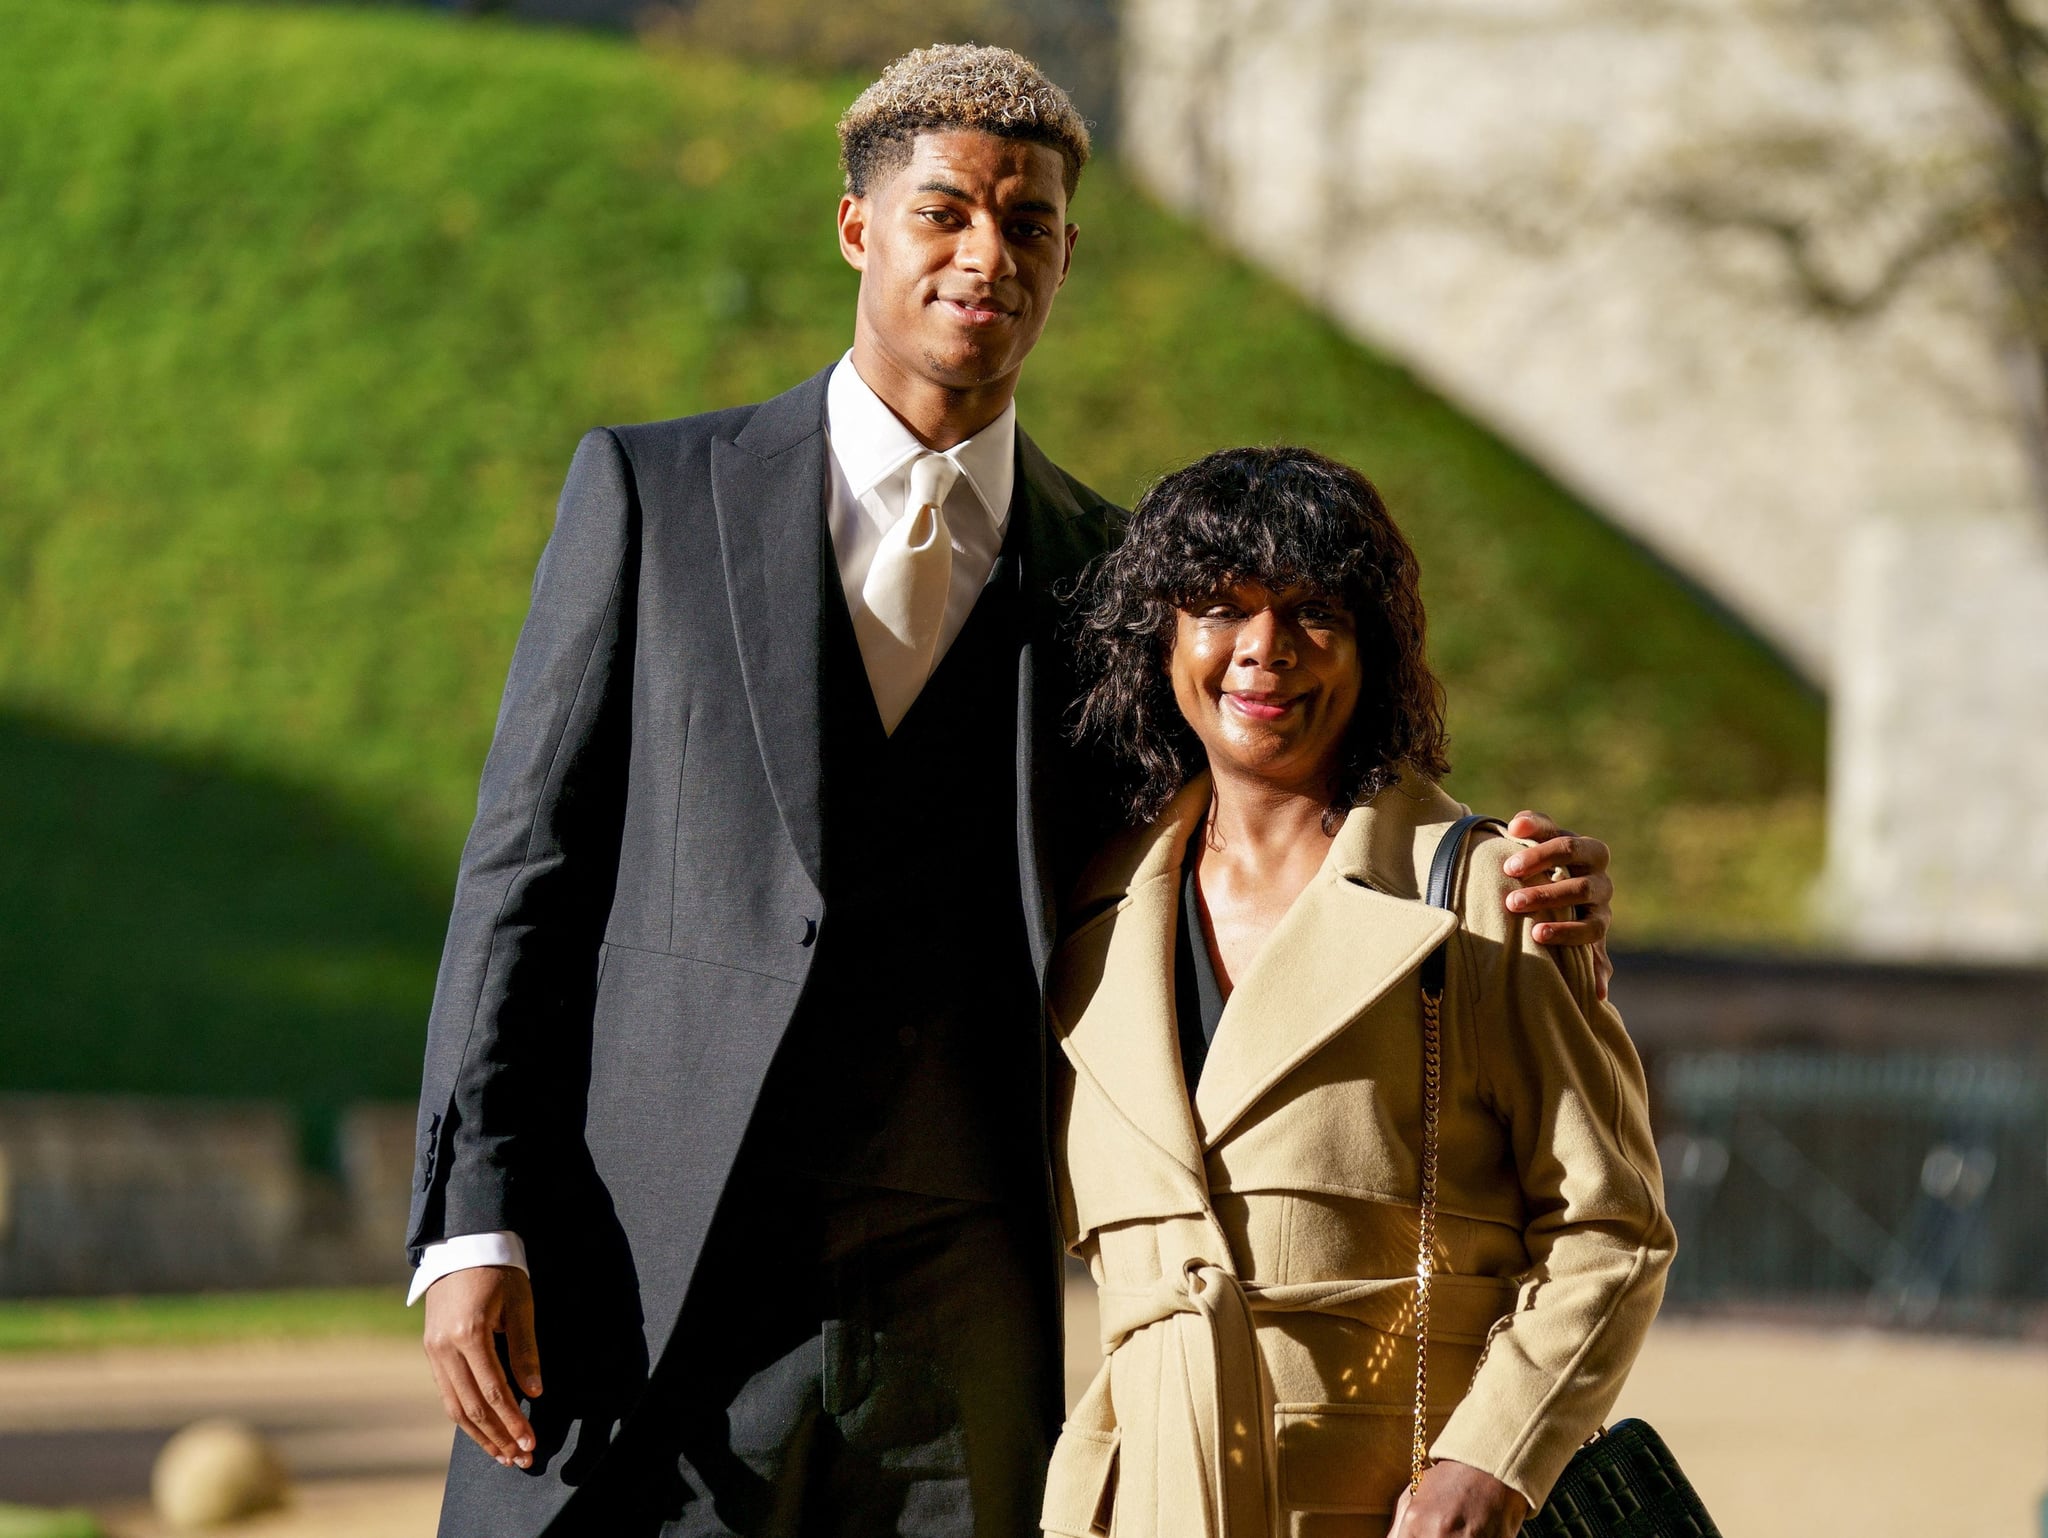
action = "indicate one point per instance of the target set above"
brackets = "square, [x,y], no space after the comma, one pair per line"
[870,494]
[903,598]
[873,459]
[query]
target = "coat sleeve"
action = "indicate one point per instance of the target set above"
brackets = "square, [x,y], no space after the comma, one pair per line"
[511,1013]
[1561,1074]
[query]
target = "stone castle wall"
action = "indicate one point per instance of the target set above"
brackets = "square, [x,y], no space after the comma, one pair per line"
[1706,261]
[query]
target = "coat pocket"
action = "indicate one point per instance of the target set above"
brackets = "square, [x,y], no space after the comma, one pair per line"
[1080,1483]
[1343,1458]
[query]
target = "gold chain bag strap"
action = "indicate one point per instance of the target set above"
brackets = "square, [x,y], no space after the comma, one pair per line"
[1624,1483]
[1443,871]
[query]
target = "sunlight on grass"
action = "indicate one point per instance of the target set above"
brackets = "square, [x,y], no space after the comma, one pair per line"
[302,312]
[202,1319]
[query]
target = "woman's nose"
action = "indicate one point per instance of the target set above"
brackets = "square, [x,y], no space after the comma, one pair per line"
[1263,641]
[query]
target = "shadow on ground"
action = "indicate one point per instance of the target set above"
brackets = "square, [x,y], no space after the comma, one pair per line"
[172,926]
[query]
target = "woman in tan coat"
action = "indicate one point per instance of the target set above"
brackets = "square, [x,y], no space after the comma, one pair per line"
[1241,1112]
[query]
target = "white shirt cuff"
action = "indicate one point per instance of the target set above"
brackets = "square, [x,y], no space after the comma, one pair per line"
[463,1253]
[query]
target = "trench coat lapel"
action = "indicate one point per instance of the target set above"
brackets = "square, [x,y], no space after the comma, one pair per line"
[1112,991]
[1049,548]
[769,488]
[1358,930]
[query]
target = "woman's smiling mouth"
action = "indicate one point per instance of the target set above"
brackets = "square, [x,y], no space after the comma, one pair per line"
[1262,707]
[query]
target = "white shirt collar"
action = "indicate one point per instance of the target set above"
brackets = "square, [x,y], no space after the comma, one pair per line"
[871,444]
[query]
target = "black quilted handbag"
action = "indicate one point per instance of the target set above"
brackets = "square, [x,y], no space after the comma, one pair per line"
[1622,1484]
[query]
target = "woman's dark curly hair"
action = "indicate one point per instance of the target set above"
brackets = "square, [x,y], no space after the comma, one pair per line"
[1281,517]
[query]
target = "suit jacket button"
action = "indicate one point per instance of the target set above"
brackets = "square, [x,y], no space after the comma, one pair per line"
[808,931]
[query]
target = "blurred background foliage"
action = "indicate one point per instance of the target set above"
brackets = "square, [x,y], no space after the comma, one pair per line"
[301,315]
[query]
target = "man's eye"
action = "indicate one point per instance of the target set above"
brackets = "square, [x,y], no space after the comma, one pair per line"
[941,215]
[1028,231]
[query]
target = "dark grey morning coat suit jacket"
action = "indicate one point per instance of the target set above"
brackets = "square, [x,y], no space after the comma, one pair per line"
[639,899]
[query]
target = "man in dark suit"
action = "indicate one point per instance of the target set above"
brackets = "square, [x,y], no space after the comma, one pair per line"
[733,1104]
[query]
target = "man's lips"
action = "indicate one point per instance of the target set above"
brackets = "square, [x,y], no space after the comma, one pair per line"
[976,312]
[1262,707]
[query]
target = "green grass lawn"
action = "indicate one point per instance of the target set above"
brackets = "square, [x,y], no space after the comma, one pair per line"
[90,1324]
[301,314]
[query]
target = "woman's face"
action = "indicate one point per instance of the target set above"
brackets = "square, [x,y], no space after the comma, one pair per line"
[1268,679]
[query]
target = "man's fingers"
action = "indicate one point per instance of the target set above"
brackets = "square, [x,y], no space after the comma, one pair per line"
[471,1413]
[1566,849]
[1574,932]
[1528,824]
[498,1412]
[1568,893]
[521,1346]
[457,1403]
[450,1405]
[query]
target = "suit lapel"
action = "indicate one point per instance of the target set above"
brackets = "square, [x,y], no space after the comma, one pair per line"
[1048,548]
[1355,933]
[769,488]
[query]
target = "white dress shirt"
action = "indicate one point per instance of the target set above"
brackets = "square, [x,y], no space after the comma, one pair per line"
[870,470]
[871,455]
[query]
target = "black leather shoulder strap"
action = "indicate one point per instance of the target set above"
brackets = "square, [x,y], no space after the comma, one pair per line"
[1443,874]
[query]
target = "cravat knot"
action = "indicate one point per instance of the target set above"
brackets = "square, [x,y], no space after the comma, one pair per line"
[931,479]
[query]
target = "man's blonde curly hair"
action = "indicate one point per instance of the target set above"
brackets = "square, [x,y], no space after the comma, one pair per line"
[957,85]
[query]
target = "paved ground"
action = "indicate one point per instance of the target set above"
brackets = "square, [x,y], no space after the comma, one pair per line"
[1789,1434]
[357,1421]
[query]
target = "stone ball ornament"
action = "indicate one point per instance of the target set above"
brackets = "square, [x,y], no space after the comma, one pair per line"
[215,1472]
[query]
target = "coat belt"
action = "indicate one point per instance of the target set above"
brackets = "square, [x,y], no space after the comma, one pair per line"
[1220,1357]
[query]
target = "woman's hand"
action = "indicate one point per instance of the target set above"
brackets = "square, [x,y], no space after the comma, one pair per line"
[1459,1501]
[1584,886]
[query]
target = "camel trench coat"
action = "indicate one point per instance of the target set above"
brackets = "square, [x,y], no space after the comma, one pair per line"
[1253,1245]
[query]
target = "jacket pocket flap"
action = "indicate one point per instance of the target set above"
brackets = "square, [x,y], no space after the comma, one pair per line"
[1080,1483]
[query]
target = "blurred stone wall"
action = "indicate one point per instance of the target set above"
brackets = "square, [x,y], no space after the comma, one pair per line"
[1719,266]
[105,1194]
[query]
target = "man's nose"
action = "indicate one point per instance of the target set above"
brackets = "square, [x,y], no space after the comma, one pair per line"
[984,251]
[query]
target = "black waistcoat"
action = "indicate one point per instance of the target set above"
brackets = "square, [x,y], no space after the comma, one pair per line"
[911,1061]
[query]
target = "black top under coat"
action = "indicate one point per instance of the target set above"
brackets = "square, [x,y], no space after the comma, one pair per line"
[1197,995]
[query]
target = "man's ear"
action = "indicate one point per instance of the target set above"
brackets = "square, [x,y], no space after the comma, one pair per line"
[853,231]
[1067,266]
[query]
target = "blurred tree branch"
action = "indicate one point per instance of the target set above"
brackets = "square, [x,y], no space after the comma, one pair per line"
[1855,223]
[1802,242]
[2002,51]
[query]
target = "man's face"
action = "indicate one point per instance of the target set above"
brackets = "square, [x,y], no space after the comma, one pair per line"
[960,253]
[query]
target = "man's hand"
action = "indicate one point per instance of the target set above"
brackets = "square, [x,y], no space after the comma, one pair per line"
[1583,886]
[1458,1501]
[466,1312]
